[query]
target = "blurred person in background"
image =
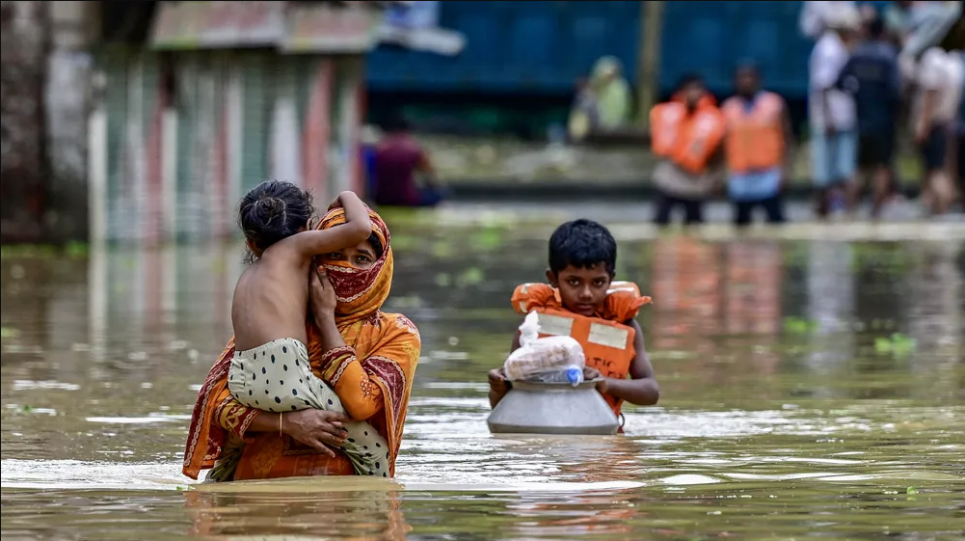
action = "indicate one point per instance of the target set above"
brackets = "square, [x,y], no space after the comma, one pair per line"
[831,111]
[368,146]
[583,115]
[602,102]
[937,77]
[611,93]
[399,160]
[686,135]
[757,148]
[871,75]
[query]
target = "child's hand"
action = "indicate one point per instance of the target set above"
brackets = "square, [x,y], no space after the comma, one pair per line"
[497,380]
[339,201]
[590,374]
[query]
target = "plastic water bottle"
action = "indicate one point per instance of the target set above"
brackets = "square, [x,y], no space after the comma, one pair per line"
[572,375]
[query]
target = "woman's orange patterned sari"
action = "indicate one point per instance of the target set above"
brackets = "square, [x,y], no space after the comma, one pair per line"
[372,375]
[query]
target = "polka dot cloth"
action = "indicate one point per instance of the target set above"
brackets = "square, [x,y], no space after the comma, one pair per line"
[277,378]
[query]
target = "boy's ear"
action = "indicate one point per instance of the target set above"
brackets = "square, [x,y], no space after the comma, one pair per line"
[551,278]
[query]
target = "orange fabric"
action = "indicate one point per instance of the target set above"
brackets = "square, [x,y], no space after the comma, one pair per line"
[622,304]
[755,139]
[375,388]
[689,139]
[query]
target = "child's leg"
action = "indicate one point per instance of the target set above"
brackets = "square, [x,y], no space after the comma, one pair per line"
[364,447]
[272,377]
[277,377]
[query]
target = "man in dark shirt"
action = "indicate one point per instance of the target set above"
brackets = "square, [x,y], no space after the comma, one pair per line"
[872,75]
[397,161]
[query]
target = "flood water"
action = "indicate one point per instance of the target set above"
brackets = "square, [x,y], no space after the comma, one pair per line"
[812,386]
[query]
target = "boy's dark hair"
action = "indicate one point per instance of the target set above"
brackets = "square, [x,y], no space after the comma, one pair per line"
[272,211]
[582,244]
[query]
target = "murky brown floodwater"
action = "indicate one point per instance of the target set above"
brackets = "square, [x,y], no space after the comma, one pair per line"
[813,386]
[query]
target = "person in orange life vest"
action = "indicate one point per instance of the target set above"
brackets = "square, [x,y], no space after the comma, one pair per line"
[756,148]
[583,296]
[686,135]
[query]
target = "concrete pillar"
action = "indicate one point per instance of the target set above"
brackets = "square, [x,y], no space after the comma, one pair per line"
[73,29]
[23,179]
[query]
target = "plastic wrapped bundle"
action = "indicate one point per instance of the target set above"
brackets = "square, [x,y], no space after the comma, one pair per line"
[557,359]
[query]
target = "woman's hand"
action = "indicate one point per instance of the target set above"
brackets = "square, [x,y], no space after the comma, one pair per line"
[317,429]
[321,294]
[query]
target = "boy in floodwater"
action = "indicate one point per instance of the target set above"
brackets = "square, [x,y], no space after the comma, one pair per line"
[270,369]
[582,301]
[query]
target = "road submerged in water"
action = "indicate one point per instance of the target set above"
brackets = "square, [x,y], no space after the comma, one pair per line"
[812,386]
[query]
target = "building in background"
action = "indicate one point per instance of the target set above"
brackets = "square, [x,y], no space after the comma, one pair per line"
[152,118]
[217,97]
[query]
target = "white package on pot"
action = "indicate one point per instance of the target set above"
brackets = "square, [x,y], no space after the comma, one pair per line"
[537,356]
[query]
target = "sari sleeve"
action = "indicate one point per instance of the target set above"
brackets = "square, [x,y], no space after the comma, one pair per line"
[353,384]
[367,385]
[232,416]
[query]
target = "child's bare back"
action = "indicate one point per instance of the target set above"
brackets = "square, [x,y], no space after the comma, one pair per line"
[271,298]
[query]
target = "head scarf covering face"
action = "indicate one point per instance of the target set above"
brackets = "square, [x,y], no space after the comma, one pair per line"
[360,292]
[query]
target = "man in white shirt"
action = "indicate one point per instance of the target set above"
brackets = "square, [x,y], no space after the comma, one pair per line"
[938,94]
[815,14]
[831,110]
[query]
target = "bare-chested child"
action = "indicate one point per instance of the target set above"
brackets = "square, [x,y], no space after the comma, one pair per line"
[270,370]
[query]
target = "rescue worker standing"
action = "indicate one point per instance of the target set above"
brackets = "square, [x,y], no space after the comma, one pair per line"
[686,135]
[758,133]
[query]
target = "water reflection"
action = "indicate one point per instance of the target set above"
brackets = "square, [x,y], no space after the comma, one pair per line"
[799,375]
[830,309]
[296,509]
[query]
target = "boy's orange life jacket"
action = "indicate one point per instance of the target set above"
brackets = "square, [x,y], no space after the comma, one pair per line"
[755,138]
[607,342]
[689,139]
